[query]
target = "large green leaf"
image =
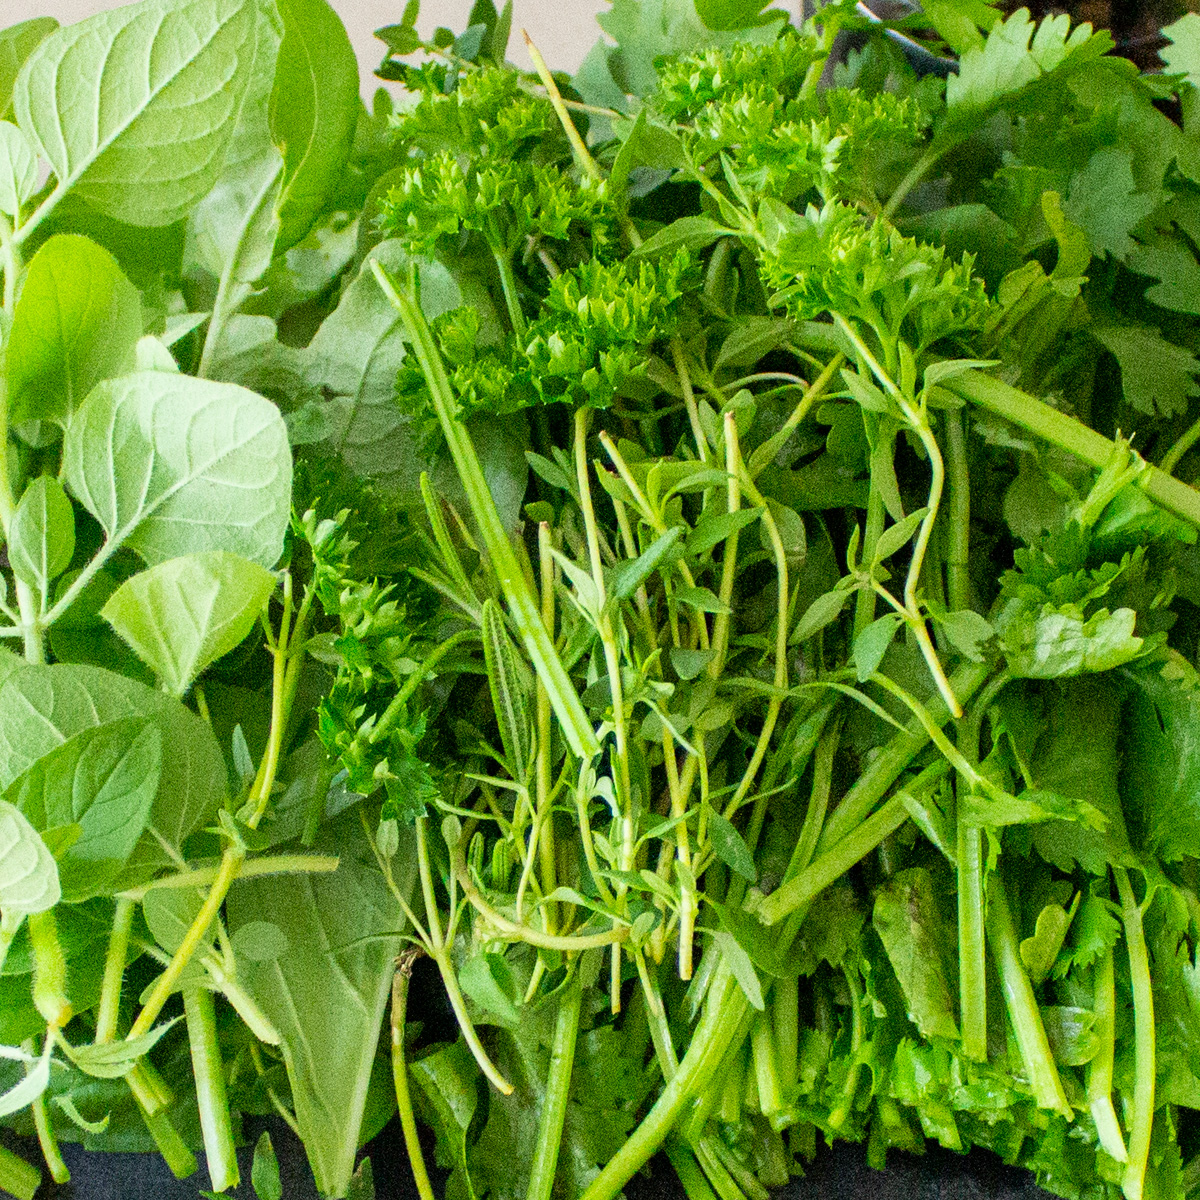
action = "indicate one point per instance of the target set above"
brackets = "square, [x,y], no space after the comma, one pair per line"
[77,322]
[42,707]
[187,612]
[172,465]
[28,872]
[103,779]
[133,108]
[231,232]
[17,43]
[314,109]
[327,992]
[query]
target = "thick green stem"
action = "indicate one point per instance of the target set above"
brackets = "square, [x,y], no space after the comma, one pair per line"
[766,1066]
[522,604]
[558,1092]
[972,960]
[695,1186]
[58,1169]
[114,972]
[408,1121]
[508,285]
[1040,1068]
[1100,1069]
[1066,433]
[17,1177]
[958,541]
[785,1016]
[1141,1117]
[209,1072]
[171,1146]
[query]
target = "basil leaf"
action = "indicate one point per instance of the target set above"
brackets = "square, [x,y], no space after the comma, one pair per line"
[172,465]
[28,873]
[18,169]
[41,536]
[77,322]
[133,108]
[182,615]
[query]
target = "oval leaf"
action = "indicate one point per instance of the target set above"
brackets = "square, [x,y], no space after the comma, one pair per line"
[41,537]
[17,43]
[172,465]
[78,321]
[729,846]
[104,781]
[871,645]
[185,613]
[18,169]
[31,1087]
[41,707]
[28,872]
[133,108]
[314,109]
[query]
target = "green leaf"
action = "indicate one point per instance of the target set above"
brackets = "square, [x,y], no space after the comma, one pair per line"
[1071,1033]
[1182,56]
[510,692]
[1104,201]
[169,914]
[183,614]
[18,169]
[171,465]
[730,847]
[627,577]
[684,233]
[1039,951]
[42,707]
[702,599]
[154,89]
[112,1060]
[713,530]
[1056,643]
[260,941]
[959,21]
[824,610]
[24,1093]
[909,924]
[1016,55]
[264,1170]
[966,631]
[752,338]
[78,321]
[871,645]
[314,107]
[41,537]
[689,663]
[1157,377]
[898,534]
[732,14]
[742,968]
[103,779]
[17,43]
[328,992]
[28,873]
[488,981]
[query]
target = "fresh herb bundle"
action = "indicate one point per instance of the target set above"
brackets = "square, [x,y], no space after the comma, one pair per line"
[701,550]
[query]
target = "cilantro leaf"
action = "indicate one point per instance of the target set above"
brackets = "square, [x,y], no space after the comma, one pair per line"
[1157,376]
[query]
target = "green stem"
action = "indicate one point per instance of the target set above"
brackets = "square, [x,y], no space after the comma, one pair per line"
[726,1186]
[171,1146]
[508,285]
[209,1072]
[1066,433]
[695,1186]
[582,156]
[10,260]
[58,1169]
[49,970]
[864,604]
[845,1102]
[408,1121]
[1100,1069]
[1040,1068]
[972,961]
[1141,1117]
[785,1016]
[915,174]
[766,1066]
[958,579]
[524,608]
[1180,448]
[17,1177]
[274,864]
[114,972]
[835,862]
[558,1092]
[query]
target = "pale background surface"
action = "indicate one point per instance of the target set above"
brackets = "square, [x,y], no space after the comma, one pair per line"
[564,30]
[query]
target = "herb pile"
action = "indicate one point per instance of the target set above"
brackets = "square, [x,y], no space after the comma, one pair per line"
[701,550]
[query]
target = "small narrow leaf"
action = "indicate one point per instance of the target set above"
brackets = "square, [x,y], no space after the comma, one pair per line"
[22,1094]
[113,1059]
[686,233]
[897,535]
[629,576]
[871,645]
[264,1170]
[510,698]
[742,968]
[824,610]
[730,847]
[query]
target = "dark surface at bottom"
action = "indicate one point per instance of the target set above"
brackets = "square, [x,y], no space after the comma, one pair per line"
[838,1173]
